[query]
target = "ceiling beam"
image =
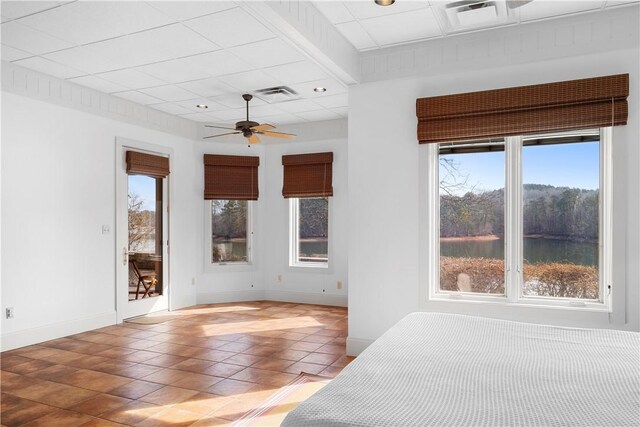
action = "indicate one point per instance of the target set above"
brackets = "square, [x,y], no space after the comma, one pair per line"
[305,27]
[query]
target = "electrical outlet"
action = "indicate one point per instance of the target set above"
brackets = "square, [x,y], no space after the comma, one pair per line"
[339,284]
[106,229]
[279,278]
[9,313]
[193,280]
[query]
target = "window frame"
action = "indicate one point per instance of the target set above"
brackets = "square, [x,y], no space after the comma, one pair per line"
[514,231]
[294,237]
[211,266]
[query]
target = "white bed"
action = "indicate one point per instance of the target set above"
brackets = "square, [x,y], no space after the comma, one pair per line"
[452,370]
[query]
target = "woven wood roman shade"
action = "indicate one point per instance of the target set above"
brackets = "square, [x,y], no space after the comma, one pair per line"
[568,105]
[147,164]
[308,175]
[230,177]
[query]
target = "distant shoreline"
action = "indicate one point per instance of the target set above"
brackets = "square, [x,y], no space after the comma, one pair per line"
[491,237]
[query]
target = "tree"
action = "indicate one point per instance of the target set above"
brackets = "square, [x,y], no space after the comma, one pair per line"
[141,223]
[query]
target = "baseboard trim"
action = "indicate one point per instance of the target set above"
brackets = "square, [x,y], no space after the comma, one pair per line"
[355,346]
[229,296]
[40,334]
[306,298]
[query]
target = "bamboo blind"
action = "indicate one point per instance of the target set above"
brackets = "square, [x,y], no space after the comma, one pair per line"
[230,177]
[147,164]
[308,175]
[568,105]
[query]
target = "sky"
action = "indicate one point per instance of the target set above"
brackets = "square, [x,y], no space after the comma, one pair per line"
[562,165]
[145,187]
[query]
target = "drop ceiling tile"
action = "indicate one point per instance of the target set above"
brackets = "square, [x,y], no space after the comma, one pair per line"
[296,72]
[190,104]
[159,44]
[171,108]
[173,71]
[342,111]
[230,116]
[84,22]
[305,90]
[416,25]
[234,100]
[356,35]
[334,11]
[207,87]
[12,54]
[49,67]
[298,106]
[168,93]
[230,28]
[131,79]
[33,41]
[138,97]
[17,9]
[614,3]
[249,81]
[268,53]
[333,101]
[183,10]
[368,9]
[284,118]
[217,63]
[319,115]
[539,10]
[99,84]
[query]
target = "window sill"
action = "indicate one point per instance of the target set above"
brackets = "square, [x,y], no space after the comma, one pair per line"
[230,267]
[571,305]
[310,266]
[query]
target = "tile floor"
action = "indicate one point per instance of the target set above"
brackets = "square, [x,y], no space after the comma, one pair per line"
[206,367]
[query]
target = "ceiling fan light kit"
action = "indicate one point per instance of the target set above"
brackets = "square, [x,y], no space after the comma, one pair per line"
[250,129]
[384,2]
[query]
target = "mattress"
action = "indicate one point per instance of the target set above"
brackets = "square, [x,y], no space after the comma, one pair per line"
[453,370]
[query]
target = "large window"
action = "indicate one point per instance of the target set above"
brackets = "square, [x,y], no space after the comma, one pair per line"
[230,231]
[523,218]
[309,232]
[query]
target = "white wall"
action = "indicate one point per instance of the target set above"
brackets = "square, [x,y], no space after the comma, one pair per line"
[58,189]
[386,263]
[304,284]
[259,280]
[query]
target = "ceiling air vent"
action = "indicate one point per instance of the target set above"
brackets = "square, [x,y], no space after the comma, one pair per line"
[471,14]
[273,95]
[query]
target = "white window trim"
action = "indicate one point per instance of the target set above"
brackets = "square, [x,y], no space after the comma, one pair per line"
[294,234]
[229,266]
[514,228]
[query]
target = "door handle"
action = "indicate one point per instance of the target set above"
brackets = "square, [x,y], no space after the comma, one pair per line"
[125,256]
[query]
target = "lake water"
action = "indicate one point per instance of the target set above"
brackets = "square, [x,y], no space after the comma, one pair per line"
[239,249]
[535,250]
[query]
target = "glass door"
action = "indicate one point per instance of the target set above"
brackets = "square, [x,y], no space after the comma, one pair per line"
[142,224]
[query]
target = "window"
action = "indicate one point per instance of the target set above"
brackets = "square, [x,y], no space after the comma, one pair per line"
[472,218]
[230,231]
[309,232]
[524,219]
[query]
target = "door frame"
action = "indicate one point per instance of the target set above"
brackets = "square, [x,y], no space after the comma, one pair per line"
[122,227]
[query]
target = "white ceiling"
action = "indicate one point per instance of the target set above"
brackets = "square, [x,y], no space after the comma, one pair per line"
[172,55]
[368,26]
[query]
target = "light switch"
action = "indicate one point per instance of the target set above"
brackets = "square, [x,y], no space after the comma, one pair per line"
[106,229]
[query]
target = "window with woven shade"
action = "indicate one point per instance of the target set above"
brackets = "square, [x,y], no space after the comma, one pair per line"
[308,185]
[230,184]
[147,164]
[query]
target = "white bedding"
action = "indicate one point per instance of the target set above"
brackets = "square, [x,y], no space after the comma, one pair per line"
[452,370]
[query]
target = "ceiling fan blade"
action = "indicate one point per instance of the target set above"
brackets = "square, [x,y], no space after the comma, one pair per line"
[513,4]
[218,127]
[277,134]
[253,139]
[263,127]
[222,134]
